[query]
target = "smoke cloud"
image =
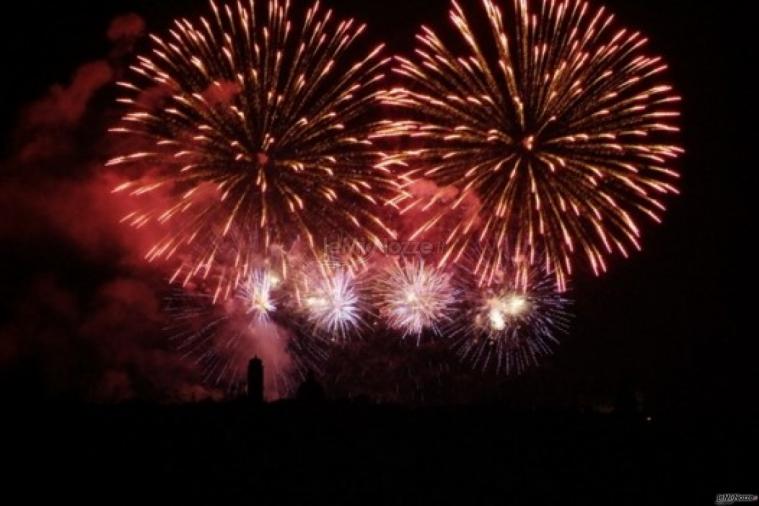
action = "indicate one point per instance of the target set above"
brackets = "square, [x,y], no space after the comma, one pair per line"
[84,317]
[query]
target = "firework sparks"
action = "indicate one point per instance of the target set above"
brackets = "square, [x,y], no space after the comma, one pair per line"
[258,294]
[510,324]
[233,267]
[332,301]
[255,122]
[414,297]
[558,125]
[503,308]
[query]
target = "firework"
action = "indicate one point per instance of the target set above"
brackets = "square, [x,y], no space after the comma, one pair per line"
[233,267]
[511,323]
[414,297]
[258,294]
[558,123]
[331,298]
[220,339]
[249,120]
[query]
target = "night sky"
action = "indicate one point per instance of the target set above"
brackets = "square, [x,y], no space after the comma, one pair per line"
[81,317]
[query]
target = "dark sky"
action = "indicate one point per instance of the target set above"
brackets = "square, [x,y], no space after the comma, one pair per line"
[674,321]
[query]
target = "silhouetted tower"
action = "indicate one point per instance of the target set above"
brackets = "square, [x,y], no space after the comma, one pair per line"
[256,381]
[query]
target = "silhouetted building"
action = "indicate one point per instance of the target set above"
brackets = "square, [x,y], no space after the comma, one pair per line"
[310,390]
[256,381]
